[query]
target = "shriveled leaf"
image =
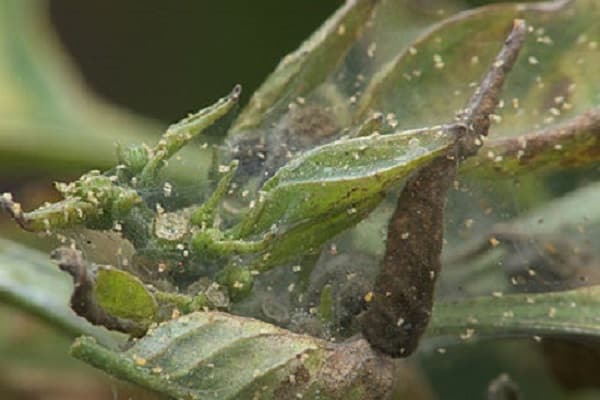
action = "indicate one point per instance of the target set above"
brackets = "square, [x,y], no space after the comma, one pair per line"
[211,355]
[118,300]
[571,313]
[339,175]
[399,313]
[30,281]
[93,200]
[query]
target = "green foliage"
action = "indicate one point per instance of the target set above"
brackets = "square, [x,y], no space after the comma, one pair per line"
[124,296]
[559,314]
[30,281]
[207,355]
[334,177]
[301,71]
[314,153]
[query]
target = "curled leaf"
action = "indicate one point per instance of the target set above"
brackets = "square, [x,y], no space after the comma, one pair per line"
[93,200]
[571,143]
[181,133]
[124,296]
[106,296]
[403,294]
[339,175]
[549,97]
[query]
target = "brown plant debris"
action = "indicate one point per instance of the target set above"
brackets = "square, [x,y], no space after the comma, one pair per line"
[82,299]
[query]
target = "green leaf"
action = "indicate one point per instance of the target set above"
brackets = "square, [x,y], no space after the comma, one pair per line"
[553,82]
[565,215]
[31,282]
[300,71]
[184,131]
[209,355]
[308,237]
[549,247]
[203,355]
[340,175]
[123,295]
[571,313]
[546,68]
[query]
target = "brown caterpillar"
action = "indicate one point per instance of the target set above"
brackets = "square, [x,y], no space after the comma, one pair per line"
[400,309]
[403,293]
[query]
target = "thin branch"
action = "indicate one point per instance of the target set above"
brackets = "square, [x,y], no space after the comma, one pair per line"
[574,142]
[15,210]
[476,115]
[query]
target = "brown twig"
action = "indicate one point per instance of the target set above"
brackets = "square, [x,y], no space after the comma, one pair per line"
[574,142]
[400,310]
[476,115]
[15,210]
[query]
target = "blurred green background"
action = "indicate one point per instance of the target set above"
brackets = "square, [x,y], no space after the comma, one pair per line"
[164,59]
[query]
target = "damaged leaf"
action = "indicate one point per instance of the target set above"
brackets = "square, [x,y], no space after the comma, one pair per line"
[124,296]
[551,85]
[316,150]
[210,355]
[106,296]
